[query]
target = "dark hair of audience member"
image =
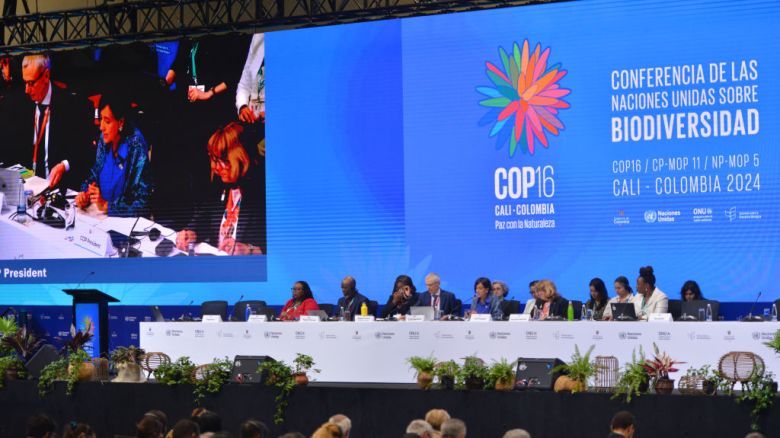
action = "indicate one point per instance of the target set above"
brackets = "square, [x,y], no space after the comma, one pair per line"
[40,425]
[222,434]
[646,272]
[149,427]
[693,287]
[404,280]
[77,430]
[306,289]
[622,420]
[161,416]
[624,282]
[186,429]
[208,421]
[254,429]
[293,435]
[601,291]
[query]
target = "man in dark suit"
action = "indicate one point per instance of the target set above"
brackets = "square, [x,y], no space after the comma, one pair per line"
[622,425]
[55,127]
[437,298]
[352,299]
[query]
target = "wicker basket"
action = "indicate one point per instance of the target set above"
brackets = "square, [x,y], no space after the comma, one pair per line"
[740,366]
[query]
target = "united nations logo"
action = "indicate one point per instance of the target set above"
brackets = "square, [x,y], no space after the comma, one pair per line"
[167,333]
[378,335]
[492,335]
[622,336]
[651,216]
[267,335]
[557,335]
[756,335]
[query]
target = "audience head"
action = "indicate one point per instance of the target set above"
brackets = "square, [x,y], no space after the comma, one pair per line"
[517,433]
[624,423]
[546,290]
[185,429]
[645,283]
[41,426]
[622,288]
[482,288]
[453,428]
[690,291]
[343,422]
[436,417]
[229,159]
[293,435]
[500,289]
[598,291]
[420,427]
[208,421]
[301,291]
[160,415]
[254,429]
[328,430]
[404,282]
[149,427]
[755,435]
[348,286]
[432,282]
[36,73]
[222,434]
[410,435]
[78,430]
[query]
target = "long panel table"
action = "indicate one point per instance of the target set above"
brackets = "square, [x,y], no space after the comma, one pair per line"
[377,351]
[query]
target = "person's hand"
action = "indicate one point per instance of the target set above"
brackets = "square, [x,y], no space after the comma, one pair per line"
[96,198]
[55,176]
[246,115]
[398,297]
[183,239]
[82,200]
[195,94]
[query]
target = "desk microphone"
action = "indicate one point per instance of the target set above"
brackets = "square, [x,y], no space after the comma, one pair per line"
[184,316]
[83,280]
[750,317]
[233,316]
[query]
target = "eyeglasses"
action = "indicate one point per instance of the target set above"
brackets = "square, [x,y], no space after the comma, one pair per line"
[296,288]
[219,162]
[30,84]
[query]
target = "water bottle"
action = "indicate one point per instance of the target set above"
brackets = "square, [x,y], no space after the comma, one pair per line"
[364,309]
[570,312]
[247,312]
[499,314]
[584,315]
[709,312]
[21,209]
[436,314]
[774,312]
[341,313]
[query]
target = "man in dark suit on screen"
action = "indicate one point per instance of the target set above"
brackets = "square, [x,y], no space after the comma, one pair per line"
[54,127]
[352,299]
[437,298]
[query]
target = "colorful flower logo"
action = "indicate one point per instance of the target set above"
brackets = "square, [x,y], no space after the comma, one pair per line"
[527,94]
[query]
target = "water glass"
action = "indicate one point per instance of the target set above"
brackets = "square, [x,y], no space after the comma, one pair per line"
[702,314]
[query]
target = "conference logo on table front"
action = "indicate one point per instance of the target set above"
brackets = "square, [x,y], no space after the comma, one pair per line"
[559,335]
[384,335]
[200,333]
[149,331]
[531,335]
[328,335]
[443,335]
[597,336]
[763,336]
[272,335]
[524,99]
[500,335]
[664,336]
[300,334]
[694,336]
[224,334]
[173,333]
[469,336]
[629,336]
[247,334]
[357,336]
[414,335]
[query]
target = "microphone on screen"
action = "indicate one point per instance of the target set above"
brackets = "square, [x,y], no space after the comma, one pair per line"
[233,316]
[750,317]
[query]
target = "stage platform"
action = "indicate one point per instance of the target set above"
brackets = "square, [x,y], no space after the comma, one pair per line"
[384,410]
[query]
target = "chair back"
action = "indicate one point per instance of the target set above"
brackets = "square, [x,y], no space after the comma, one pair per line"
[214,308]
[239,309]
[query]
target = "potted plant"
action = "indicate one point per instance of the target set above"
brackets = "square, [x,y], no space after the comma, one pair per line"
[576,373]
[127,361]
[658,368]
[7,325]
[446,372]
[212,379]
[710,380]
[181,371]
[501,375]
[774,344]
[423,367]
[11,368]
[760,392]
[79,364]
[634,380]
[18,345]
[23,342]
[280,375]
[303,363]
[473,373]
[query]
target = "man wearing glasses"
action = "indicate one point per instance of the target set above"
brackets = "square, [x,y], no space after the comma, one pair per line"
[56,131]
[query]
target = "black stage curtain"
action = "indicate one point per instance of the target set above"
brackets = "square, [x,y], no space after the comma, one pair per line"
[382,411]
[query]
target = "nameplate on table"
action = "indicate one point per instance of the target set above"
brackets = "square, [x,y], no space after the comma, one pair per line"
[367,318]
[480,317]
[257,318]
[660,317]
[211,319]
[310,318]
[519,317]
[93,240]
[410,318]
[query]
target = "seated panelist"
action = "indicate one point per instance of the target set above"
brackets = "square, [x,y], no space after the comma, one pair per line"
[484,301]
[352,299]
[119,183]
[232,218]
[624,294]
[438,298]
[301,302]
[553,304]
[404,297]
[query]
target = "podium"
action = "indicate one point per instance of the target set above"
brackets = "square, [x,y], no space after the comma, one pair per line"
[91,306]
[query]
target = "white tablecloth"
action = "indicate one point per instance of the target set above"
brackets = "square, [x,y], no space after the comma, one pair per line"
[377,351]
